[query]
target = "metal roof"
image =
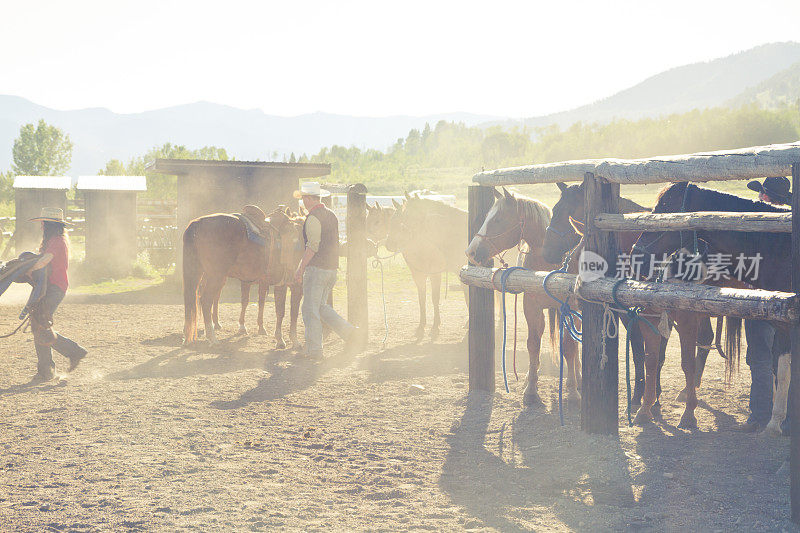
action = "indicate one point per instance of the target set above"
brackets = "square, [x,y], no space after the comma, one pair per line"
[112,183]
[42,182]
[186,166]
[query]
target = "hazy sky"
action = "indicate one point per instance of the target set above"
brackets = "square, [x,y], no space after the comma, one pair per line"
[369,58]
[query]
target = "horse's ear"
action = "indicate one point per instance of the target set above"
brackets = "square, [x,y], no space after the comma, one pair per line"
[397,205]
[507,194]
[408,197]
[497,194]
[577,225]
[561,186]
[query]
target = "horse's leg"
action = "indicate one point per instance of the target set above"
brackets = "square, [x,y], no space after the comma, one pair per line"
[419,280]
[215,314]
[705,336]
[436,290]
[534,316]
[279,292]
[637,347]
[245,303]
[687,325]
[211,292]
[465,290]
[652,344]
[780,398]
[573,372]
[297,296]
[262,298]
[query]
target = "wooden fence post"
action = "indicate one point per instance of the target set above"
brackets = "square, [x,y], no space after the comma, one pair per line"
[600,401]
[357,257]
[794,389]
[481,303]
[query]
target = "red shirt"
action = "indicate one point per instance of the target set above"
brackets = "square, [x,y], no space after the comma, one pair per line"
[60,262]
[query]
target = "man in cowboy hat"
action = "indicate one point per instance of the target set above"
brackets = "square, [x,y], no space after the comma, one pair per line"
[763,341]
[317,271]
[54,252]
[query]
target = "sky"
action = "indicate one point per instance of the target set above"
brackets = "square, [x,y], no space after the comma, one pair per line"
[372,58]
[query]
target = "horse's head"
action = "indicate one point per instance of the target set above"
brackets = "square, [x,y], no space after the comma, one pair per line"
[562,234]
[289,235]
[397,232]
[650,244]
[378,218]
[501,230]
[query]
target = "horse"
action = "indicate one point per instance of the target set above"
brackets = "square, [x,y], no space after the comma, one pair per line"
[378,219]
[287,252]
[429,234]
[564,234]
[216,247]
[512,220]
[773,274]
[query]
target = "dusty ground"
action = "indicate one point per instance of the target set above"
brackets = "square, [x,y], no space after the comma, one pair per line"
[149,435]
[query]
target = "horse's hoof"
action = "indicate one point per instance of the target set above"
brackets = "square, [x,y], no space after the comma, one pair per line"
[574,397]
[636,403]
[434,334]
[643,417]
[773,429]
[682,396]
[280,345]
[532,400]
[688,421]
[656,411]
[420,334]
[242,330]
[262,331]
[217,327]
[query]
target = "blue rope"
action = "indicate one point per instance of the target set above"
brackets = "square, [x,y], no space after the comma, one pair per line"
[566,321]
[504,274]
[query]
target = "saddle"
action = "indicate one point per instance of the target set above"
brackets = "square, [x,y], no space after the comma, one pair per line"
[256,223]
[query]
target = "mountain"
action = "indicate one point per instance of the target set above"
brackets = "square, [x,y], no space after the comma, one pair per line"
[99,134]
[781,89]
[696,86]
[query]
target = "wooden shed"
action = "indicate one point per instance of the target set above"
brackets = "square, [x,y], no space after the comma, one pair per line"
[110,227]
[31,194]
[206,187]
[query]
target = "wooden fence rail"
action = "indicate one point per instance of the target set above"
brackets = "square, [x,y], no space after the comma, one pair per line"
[698,220]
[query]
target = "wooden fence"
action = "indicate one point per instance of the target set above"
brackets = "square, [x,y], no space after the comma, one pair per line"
[602,179]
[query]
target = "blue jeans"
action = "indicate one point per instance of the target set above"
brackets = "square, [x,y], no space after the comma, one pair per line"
[760,335]
[66,347]
[317,286]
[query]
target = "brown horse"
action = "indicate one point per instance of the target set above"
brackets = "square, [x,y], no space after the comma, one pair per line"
[378,219]
[287,251]
[216,247]
[512,220]
[430,236]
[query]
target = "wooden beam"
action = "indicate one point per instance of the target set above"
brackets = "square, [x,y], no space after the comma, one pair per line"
[745,303]
[794,388]
[699,220]
[746,163]
[600,389]
[481,304]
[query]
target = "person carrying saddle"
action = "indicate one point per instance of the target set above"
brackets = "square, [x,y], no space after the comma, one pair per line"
[54,252]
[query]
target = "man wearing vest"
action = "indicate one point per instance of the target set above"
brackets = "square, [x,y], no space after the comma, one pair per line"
[317,271]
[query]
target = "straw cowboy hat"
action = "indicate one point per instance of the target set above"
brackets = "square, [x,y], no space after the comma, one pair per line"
[52,214]
[777,188]
[310,188]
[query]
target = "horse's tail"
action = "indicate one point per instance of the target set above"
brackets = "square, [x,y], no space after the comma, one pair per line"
[733,342]
[192,272]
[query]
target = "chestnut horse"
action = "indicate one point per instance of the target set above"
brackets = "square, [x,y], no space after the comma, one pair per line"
[216,247]
[513,220]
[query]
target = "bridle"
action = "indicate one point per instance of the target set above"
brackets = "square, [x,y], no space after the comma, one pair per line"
[498,253]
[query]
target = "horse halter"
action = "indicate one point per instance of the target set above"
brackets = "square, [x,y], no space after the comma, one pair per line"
[498,253]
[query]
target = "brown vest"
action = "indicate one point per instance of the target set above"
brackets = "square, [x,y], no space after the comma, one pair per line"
[327,257]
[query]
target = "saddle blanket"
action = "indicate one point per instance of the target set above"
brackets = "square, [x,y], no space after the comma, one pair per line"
[253,233]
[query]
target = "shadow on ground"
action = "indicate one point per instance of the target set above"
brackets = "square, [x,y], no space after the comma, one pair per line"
[414,360]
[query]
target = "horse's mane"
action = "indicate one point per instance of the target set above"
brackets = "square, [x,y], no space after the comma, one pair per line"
[629,206]
[721,201]
[434,206]
[534,210]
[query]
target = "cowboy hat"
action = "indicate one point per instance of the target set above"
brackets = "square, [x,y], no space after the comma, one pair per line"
[777,188]
[311,188]
[52,214]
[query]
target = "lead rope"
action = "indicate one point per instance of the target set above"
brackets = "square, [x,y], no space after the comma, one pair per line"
[566,321]
[504,274]
[377,262]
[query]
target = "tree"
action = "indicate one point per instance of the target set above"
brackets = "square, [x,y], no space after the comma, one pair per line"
[41,151]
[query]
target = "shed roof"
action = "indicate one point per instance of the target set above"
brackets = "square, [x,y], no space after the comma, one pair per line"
[42,182]
[187,166]
[112,183]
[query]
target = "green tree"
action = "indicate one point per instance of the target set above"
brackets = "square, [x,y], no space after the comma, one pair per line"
[41,151]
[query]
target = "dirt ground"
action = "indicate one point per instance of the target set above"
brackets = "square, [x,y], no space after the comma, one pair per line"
[147,435]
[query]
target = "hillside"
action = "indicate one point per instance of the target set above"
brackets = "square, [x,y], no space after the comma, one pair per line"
[781,89]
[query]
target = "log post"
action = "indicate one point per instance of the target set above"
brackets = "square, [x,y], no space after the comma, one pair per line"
[357,256]
[481,303]
[794,389]
[328,203]
[599,402]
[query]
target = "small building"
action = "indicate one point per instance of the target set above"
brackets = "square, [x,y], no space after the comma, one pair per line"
[206,186]
[31,194]
[110,220]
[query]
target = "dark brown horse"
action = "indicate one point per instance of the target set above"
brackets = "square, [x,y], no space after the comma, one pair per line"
[772,274]
[512,220]
[216,247]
